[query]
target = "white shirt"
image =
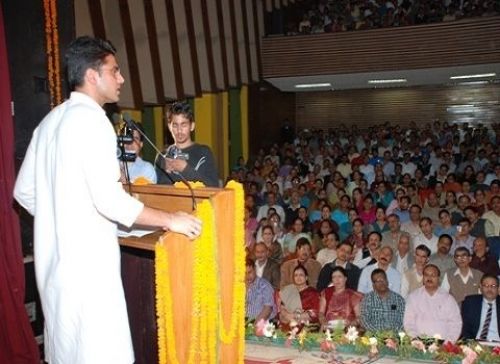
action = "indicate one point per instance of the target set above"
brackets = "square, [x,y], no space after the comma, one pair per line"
[141,168]
[446,284]
[365,282]
[259,269]
[326,255]
[401,263]
[492,330]
[431,243]
[76,197]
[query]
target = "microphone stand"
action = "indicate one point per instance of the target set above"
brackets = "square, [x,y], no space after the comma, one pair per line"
[131,123]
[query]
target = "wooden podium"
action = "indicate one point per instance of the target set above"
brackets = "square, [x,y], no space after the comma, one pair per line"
[138,273]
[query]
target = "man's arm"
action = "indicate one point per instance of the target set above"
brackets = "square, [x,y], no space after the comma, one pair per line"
[200,166]
[264,314]
[179,222]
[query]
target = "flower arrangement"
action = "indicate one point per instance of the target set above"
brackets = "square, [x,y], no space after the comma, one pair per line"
[383,343]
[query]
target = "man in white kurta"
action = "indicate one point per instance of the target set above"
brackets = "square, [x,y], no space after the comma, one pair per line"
[431,310]
[69,181]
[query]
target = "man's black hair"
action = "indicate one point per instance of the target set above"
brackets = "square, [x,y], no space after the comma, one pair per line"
[83,53]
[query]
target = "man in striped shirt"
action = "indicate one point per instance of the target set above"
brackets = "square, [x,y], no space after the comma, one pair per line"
[259,296]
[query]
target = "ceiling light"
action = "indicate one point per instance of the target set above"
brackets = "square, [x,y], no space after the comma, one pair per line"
[395,80]
[311,85]
[479,75]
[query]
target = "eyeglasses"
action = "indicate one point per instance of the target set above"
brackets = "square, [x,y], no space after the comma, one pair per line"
[489,285]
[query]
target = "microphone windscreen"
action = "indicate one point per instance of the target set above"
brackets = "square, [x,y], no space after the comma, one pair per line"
[116,118]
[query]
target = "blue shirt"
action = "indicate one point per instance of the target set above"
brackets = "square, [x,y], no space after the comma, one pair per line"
[259,294]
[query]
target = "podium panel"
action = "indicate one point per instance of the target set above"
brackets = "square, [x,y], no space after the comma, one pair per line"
[222,332]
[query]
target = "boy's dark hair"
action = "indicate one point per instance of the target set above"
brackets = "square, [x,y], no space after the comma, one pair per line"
[180,108]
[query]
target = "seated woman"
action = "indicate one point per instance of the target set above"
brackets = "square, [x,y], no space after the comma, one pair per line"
[290,238]
[339,303]
[380,225]
[298,302]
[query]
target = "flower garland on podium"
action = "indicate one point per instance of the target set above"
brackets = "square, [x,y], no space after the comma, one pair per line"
[207,322]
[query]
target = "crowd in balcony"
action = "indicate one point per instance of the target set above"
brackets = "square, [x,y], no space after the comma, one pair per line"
[324,16]
[370,227]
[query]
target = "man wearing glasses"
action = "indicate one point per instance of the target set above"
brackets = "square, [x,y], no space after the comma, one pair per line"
[480,312]
[463,280]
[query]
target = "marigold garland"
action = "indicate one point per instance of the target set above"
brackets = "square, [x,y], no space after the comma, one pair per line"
[207,323]
[204,296]
[237,327]
[52,50]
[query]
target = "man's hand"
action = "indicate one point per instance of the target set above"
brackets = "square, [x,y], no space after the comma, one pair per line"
[175,165]
[183,223]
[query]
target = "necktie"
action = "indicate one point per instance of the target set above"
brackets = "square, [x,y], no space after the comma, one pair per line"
[486,325]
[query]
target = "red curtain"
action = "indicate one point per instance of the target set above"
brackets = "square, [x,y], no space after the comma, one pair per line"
[17,343]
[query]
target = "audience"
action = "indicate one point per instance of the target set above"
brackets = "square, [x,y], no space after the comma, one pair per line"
[329,16]
[442,207]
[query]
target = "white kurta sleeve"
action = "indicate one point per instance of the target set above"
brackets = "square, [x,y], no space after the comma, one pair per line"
[24,189]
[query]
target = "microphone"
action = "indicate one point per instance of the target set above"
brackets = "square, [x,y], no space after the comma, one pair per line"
[133,125]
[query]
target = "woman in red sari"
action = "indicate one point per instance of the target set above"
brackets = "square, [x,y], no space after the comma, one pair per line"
[339,305]
[298,302]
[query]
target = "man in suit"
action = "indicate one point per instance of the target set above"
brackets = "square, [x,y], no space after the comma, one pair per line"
[264,267]
[481,312]
[344,252]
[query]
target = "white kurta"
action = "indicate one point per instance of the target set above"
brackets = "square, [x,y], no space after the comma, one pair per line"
[69,182]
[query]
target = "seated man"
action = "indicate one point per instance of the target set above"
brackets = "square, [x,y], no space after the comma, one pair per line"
[382,309]
[383,262]
[403,259]
[442,258]
[481,312]
[264,267]
[304,258]
[138,167]
[412,278]
[431,310]
[462,280]
[344,251]
[259,295]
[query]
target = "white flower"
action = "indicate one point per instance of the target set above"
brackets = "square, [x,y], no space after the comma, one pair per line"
[433,348]
[293,323]
[478,349]
[269,330]
[352,334]
[437,337]
[328,335]
[373,341]
[402,335]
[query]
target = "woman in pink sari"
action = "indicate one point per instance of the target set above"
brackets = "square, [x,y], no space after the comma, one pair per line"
[339,305]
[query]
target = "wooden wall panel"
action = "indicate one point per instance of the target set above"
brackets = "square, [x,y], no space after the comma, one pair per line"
[267,109]
[218,46]
[203,60]
[165,48]
[173,49]
[465,42]
[184,50]
[83,24]
[240,37]
[144,61]
[473,104]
